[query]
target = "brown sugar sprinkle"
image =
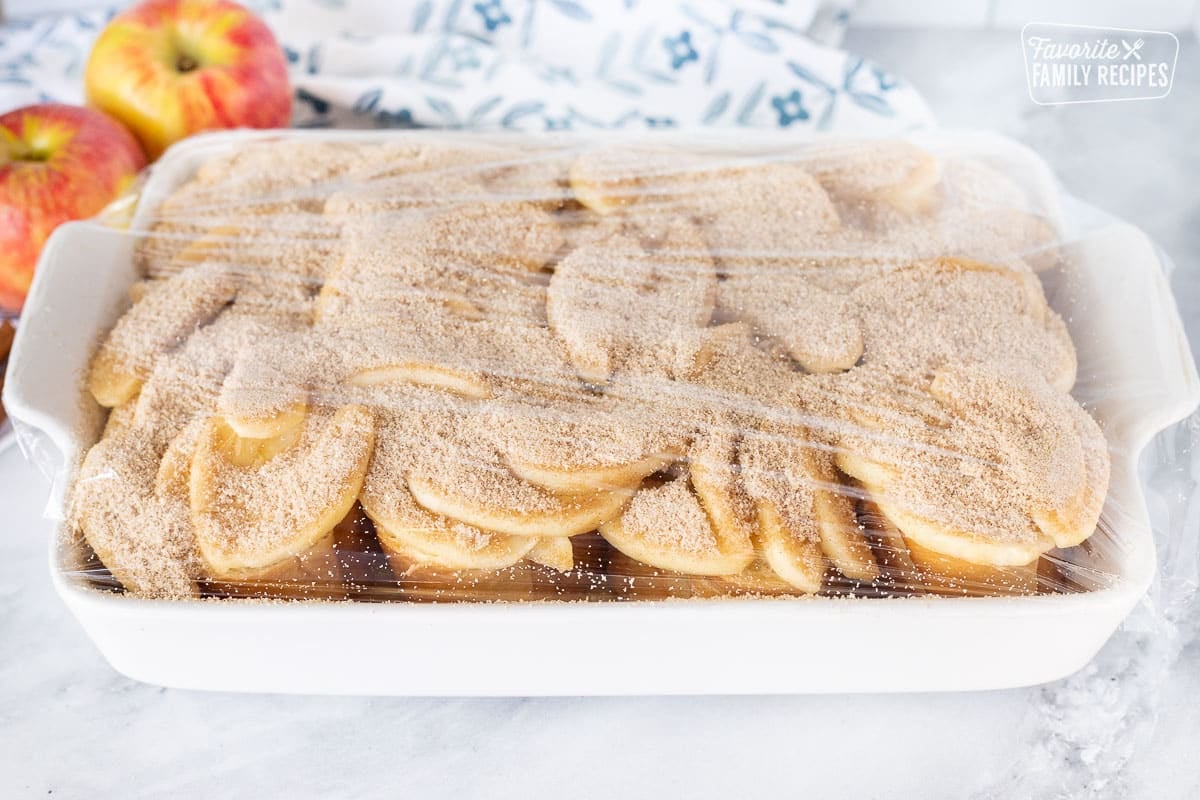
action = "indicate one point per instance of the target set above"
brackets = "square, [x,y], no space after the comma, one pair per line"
[951,313]
[670,516]
[186,381]
[458,317]
[776,468]
[1033,427]
[248,204]
[267,376]
[168,313]
[980,459]
[254,508]
[464,463]
[143,537]
[412,424]
[388,266]
[902,175]
[817,327]
[626,303]
[568,432]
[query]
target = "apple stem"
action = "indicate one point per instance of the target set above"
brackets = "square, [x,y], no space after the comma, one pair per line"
[186,63]
[30,152]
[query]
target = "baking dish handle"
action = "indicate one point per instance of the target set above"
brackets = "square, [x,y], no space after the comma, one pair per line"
[49,357]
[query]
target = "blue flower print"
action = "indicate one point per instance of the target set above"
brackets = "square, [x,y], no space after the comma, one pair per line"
[660,122]
[790,108]
[680,49]
[886,82]
[493,14]
[401,118]
[318,104]
[464,58]
[558,123]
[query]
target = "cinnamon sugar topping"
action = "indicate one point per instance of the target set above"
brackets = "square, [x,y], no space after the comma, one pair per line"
[488,351]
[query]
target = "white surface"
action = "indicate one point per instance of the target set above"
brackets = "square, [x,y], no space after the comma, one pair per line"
[70,725]
[1133,362]
[1126,730]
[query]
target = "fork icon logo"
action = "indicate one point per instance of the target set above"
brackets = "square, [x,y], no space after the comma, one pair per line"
[1089,64]
[1132,49]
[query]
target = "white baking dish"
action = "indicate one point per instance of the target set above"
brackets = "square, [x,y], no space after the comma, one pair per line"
[1128,334]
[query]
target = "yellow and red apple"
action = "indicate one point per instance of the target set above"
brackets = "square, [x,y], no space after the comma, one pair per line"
[170,68]
[57,163]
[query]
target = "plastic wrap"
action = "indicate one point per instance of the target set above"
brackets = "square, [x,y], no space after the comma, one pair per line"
[462,368]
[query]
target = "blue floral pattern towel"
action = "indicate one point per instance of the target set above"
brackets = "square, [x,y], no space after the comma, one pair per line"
[533,64]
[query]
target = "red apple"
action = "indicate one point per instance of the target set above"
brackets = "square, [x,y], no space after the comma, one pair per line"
[57,163]
[170,68]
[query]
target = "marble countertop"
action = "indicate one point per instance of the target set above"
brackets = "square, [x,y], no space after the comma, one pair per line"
[1127,726]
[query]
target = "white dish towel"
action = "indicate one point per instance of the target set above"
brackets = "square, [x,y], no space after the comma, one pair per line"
[534,64]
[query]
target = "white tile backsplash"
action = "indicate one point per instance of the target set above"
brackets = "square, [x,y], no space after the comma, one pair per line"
[1167,15]
[926,14]
[1173,15]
